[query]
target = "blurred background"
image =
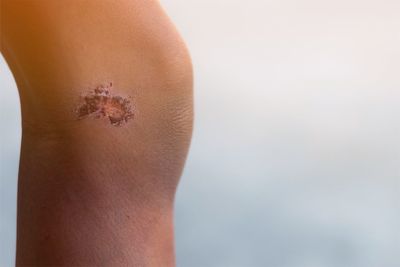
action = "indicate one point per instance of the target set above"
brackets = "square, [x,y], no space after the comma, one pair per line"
[295,159]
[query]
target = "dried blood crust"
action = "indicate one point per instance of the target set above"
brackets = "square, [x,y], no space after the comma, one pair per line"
[101,103]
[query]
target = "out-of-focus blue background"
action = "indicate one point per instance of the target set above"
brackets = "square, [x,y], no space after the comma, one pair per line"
[295,160]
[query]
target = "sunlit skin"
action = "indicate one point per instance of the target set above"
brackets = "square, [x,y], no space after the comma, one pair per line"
[97,190]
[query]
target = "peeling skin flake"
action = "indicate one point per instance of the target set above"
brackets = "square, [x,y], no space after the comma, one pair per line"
[100,103]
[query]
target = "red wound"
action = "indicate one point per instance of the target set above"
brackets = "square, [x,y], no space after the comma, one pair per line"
[101,103]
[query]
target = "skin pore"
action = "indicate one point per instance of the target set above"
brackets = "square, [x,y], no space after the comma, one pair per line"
[106,99]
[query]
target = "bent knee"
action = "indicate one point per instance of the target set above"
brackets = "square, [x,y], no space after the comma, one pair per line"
[141,54]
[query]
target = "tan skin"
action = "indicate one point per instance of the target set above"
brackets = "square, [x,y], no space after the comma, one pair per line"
[92,193]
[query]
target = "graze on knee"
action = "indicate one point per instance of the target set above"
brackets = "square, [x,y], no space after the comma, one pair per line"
[102,103]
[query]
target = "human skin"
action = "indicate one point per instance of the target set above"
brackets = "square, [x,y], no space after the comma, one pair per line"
[92,192]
